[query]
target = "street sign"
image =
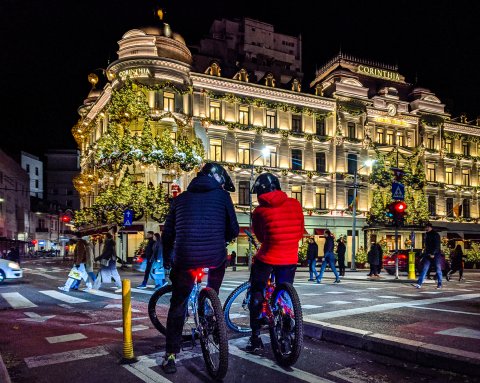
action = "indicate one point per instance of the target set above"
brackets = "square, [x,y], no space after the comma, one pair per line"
[127,217]
[398,191]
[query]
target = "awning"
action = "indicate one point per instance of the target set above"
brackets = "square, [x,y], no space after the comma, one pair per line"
[132,229]
[319,231]
[451,235]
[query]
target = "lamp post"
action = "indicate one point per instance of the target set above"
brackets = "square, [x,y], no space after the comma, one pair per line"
[368,163]
[265,153]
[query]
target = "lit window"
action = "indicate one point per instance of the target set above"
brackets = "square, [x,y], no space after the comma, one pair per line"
[465,177]
[449,146]
[430,142]
[270,119]
[400,139]
[297,193]
[296,123]
[466,148]
[244,193]
[215,111]
[296,159]
[271,159]
[431,172]
[352,130]
[173,136]
[215,150]
[449,176]
[389,138]
[244,153]
[243,115]
[320,198]
[168,102]
[379,137]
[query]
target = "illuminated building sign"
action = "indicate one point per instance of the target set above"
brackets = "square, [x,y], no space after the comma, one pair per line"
[391,121]
[377,72]
[134,73]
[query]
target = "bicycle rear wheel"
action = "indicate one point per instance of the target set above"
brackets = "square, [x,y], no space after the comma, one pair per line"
[158,307]
[286,329]
[213,336]
[237,313]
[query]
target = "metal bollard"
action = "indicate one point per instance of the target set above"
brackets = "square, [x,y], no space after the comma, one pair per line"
[128,356]
[411,265]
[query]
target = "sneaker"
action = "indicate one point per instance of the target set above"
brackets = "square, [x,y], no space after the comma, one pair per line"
[448,276]
[439,287]
[168,364]
[254,344]
[318,281]
[416,285]
[337,281]
[142,286]
[461,279]
[310,280]
[118,291]
[63,288]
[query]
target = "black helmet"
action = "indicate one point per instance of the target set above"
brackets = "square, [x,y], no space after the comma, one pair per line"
[212,168]
[265,183]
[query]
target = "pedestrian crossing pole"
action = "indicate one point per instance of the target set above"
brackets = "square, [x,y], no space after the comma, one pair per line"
[128,356]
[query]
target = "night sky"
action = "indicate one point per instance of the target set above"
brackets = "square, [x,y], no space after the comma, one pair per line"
[50,46]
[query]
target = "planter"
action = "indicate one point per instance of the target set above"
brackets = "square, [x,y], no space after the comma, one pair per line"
[360,265]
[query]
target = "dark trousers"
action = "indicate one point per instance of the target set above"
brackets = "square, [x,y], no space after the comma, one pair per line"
[147,271]
[259,278]
[341,265]
[373,269]
[457,267]
[182,285]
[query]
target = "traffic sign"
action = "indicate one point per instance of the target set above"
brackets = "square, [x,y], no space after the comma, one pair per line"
[127,217]
[398,191]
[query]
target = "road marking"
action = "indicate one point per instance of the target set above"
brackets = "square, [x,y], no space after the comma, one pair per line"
[364,299]
[391,306]
[63,357]
[138,327]
[311,294]
[34,317]
[62,297]
[374,288]
[353,375]
[141,291]
[430,292]
[47,276]
[237,315]
[387,297]
[120,307]
[65,338]
[461,332]
[18,301]
[110,321]
[309,307]
[227,288]
[338,302]
[334,292]
[65,306]
[409,295]
[448,311]
[103,294]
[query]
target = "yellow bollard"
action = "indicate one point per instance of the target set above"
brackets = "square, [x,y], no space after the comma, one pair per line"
[411,265]
[128,356]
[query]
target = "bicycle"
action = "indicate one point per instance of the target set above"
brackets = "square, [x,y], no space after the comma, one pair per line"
[204,321]
[281,312]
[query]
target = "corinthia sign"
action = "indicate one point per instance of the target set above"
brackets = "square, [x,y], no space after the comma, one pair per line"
[135,73]
[380,73]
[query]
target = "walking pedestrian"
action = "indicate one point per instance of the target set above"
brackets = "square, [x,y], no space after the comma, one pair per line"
[457,263]
[13,255]
[233,260]
[108,264]
[328,257]
[157,272]
[341,249]
[373,260]
[78,271]
[431,254]
[90,259]
[149,256]
[380,257]
[312,254]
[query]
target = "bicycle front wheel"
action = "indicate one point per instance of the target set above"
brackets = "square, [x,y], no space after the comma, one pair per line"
[158,307]
[286,329]
[237,313]
[213,334]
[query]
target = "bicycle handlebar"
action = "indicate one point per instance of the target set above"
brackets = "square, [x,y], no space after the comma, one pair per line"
[251,239]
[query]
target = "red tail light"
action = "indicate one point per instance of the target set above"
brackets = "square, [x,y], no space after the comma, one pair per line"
[139,260]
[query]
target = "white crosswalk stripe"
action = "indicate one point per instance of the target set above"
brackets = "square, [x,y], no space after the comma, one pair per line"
[18,301]
[62,297]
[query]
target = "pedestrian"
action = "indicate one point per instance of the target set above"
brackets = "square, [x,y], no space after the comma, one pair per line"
[13,255]
[157,272]
[78,271]
[328,257]
[149,256]
[431,254]
[380,257]
[312,254]
[373,259]
[108,264]
[233,259]
[90,259]
[341,249]
[457,263]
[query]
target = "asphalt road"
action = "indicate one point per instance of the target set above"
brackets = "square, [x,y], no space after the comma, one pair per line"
[52,336]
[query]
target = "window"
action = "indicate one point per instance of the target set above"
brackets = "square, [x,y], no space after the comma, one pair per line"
[297,193]
[36,184]
[320,162]
[466,208]
[400,139]
[389,138]
[215,110]
[352,130]
[271,160]
[168,102]
[28,168]
[350,193]
[270,119]
[431,172]
[215,150]
[466,148]
[379,136]
[41,223]
[432,206]
[465,177]
[352,163]
[296,159]
[449,146]
[430,142]
[320,198]
[244,152]
[449,207]
[173,137]
[244,193]
[296,123]
[449,176]
[166,186]
[243,117]
[36,171]
[320,127]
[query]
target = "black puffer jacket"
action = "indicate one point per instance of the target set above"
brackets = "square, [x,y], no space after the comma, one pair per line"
[200,222]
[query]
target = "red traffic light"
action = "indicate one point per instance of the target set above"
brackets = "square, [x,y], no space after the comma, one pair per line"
[65,218]
[400,207]
[34,241]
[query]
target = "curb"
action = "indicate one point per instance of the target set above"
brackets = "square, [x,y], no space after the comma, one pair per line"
[4,376]
[426,354]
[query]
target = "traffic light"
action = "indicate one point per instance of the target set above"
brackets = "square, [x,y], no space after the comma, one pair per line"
[66,218]
[396,211]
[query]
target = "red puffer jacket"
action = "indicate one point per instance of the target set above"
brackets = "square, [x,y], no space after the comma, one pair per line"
[278,224]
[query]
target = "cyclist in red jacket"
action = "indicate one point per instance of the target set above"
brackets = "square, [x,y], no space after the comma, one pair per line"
[278,224]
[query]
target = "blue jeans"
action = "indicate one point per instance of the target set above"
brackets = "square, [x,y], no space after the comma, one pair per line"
[312,263]
[426,266]
[330,258]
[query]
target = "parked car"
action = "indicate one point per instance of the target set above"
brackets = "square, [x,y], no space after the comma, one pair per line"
[9,270]
[389,262]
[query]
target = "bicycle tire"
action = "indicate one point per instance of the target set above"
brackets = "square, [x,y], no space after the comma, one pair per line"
[235,320]
[214,331]
[158,312]
[289,358]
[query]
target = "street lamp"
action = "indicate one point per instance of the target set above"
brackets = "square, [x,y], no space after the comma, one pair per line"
[367,163]
[265,154]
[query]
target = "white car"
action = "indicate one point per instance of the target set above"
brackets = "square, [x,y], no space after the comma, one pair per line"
[9,270]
